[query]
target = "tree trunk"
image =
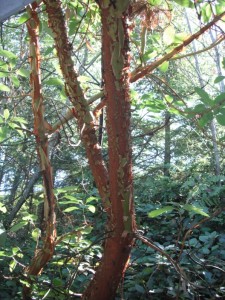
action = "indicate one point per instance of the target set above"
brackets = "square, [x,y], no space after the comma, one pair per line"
[167,149]
[212,125]
[22,199]
[115,183]
[121,219]
[44,254]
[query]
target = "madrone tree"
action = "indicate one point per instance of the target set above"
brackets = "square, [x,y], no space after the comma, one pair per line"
[114,179]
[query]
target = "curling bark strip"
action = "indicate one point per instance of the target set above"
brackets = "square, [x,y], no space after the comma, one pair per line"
[115,47]
[143,71]
[86,120]
[42,256]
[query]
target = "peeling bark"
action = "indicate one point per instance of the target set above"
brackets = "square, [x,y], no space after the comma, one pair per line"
[86,120]
[121,220]
[43,255]
[115,184]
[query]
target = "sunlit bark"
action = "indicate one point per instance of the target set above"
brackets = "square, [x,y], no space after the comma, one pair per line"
[43,255]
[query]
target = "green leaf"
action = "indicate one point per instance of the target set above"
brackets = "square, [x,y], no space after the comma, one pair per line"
[3,236]
[220,99]
[86,230]
[219,79]
[91,208]
[12,265]
[4,74]
[91,199]
[169,35]
[73,26]
[220,117]
[7,54]
[72,198]
[73,3]
[4,88]
[15,81]
[23,72]
[168,98]
[54,81]
[193,242]
[15,250]
[223,62]
[154,2]
[6,114]
[204,96]
[36,233]
[206,12]
[57,282]
[139,289]
[164,66]
[30,217]
[160,211]
[197,210]
[23,18]
[69,209]
[185,3]
[3,133]
[49,50]
[180,37]
[204,238]
[220,7]
[205,119]
[205,250]
[4,66]
[19,120]
[18,226]
[199,108]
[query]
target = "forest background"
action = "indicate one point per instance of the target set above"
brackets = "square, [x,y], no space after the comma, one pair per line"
[112,150]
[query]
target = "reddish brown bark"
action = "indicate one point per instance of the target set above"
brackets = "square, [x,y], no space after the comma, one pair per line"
[86,120]
[42,256]
[121,220]
[117,184]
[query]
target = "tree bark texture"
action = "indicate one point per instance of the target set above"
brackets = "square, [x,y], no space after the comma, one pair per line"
[43,255]
[85,119]
[115,47]
[115,183]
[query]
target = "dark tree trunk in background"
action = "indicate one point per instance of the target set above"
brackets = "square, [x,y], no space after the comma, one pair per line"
[167,149]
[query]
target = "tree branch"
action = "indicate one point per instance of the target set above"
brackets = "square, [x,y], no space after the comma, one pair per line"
[219,40]
[140,72]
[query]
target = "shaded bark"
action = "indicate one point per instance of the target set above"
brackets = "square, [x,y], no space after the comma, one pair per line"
[26,193]
[167,148]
